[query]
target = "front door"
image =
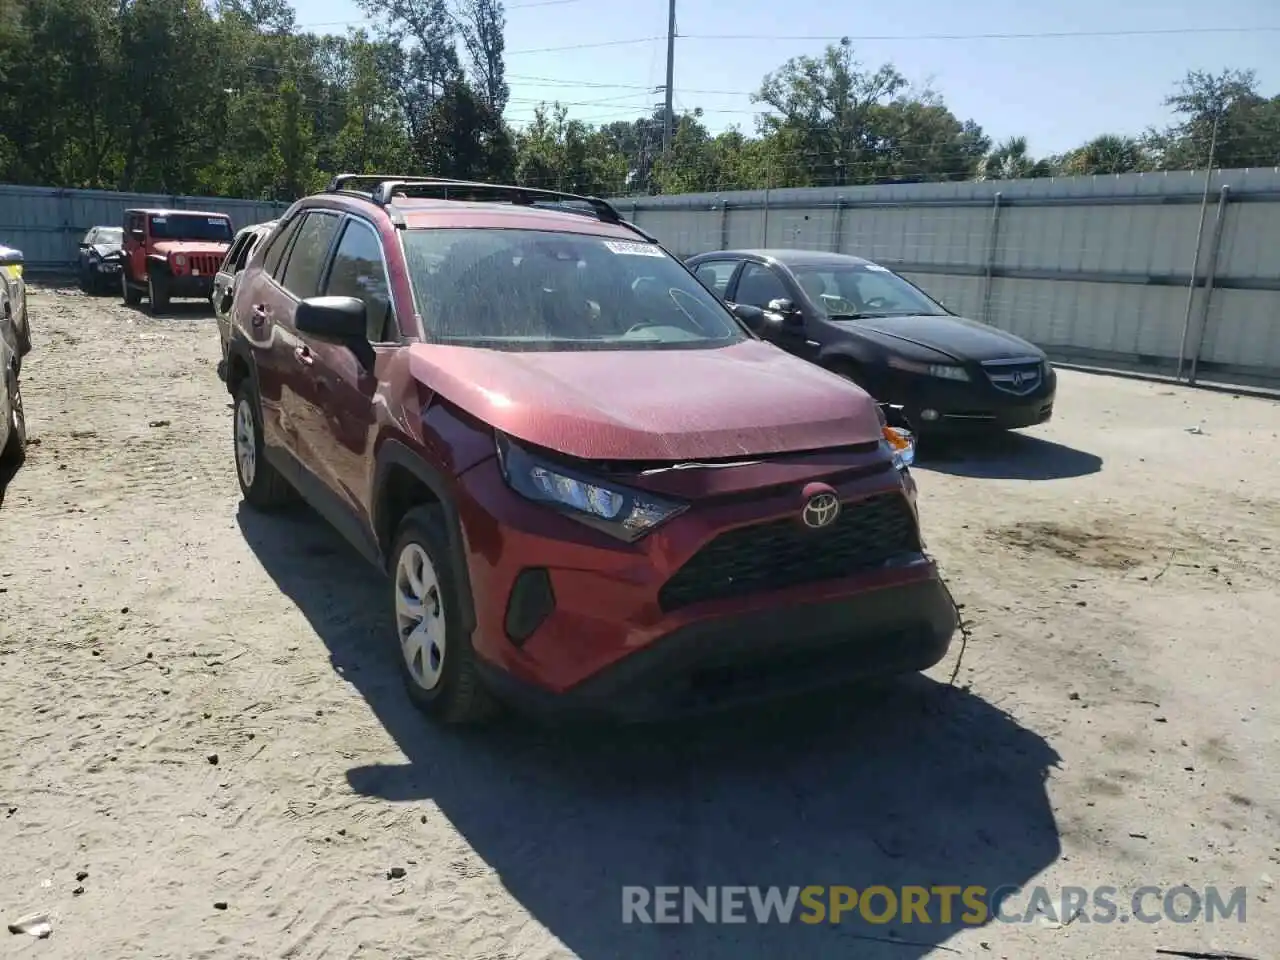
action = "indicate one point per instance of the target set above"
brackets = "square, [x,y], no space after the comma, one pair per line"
[134,258]
[759,285]
[340,421]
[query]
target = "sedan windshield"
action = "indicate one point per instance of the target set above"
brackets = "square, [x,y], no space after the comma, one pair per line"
[863,290]
[185,226]
[540,290]
[109,235]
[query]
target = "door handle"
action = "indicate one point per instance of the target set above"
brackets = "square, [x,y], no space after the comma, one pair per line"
[304,355]
[258,315]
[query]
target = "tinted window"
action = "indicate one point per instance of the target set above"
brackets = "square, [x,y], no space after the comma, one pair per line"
[250,244]
[306,258]
[358,272]
[230,259]
[758,285]
[538,290]
[186,226]
[716,274]
[863,290]
[279,244]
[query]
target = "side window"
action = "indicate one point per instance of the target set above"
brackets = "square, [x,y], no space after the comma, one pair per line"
[242,255]
[302,270]
[758,285]
[279,244]
[358,272]
[234,252]
[715,275]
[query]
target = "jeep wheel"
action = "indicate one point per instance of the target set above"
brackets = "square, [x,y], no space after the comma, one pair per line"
[261,484]
[131,296]
[157,292]
[15,448]
[436,656]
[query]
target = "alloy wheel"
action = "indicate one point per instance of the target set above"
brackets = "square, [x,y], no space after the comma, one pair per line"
[246,449]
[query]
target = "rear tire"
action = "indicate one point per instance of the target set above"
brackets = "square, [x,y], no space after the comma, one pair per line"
[15,448]
[437,660]
[261,485]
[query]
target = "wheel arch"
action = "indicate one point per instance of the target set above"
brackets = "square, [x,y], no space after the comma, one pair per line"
[402,481]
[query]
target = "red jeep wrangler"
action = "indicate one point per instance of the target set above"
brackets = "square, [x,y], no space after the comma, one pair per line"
[172,253]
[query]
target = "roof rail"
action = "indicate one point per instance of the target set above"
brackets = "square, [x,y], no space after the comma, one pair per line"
[384,188]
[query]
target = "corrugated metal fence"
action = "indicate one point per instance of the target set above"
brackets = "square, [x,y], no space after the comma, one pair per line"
[47,224]
[1096,270]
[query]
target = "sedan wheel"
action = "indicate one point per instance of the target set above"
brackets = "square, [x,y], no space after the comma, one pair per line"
[420,620]
[15,448]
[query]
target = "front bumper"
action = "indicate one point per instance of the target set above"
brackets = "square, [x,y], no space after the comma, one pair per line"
[619,629]
[186,285]
[975,405]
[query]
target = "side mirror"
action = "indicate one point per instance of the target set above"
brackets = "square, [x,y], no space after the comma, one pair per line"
[339,319]
[137,234]
[787,311]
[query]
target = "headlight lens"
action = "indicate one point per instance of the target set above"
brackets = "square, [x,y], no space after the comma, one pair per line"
[900,444]
[180,260]
[944,371]
[616,510]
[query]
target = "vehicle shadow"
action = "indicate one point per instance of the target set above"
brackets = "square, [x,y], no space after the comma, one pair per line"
[7,472]
[1006,456]
[910,783]
[178,310]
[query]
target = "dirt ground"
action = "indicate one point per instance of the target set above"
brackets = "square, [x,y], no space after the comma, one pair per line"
[201,713]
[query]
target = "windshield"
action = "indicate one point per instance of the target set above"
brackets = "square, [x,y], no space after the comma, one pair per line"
[184,226]
[539,290]
[109,235]
[863,290]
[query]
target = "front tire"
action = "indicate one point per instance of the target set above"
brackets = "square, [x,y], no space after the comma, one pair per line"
[261,484]
[131,296]
[437,661]
[157,292]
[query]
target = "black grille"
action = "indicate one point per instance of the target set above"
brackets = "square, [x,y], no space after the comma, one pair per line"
[784,553]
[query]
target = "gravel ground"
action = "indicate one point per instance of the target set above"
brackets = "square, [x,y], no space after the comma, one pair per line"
[205,752]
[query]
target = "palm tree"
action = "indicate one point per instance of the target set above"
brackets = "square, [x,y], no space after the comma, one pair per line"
[1011,161]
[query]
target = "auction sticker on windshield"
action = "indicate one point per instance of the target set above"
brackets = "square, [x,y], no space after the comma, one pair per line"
[634,249]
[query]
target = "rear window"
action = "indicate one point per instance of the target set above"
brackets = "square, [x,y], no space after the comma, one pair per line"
[541,290]
[185,226]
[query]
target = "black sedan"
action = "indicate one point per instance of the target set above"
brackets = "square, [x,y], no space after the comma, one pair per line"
[866,323]
[100,254]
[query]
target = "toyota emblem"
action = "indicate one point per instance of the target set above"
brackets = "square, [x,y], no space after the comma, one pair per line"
[821,510]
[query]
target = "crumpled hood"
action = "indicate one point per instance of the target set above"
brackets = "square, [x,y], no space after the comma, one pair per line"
[106,249]
[953,337]
[748,399]
[207,247]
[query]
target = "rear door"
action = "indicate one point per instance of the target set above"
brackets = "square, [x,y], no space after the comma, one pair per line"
[256,304]
[298,278]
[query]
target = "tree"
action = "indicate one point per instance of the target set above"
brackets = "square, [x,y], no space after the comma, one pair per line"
[1108,153]
[1220,114]
[1011,161]
[482,24]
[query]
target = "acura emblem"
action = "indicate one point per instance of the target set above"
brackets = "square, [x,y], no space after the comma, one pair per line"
[821,510]
[1018,377]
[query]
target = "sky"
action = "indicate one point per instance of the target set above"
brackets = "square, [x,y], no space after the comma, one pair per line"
[604,59]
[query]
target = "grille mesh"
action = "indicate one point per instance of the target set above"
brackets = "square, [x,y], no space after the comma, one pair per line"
[784,553]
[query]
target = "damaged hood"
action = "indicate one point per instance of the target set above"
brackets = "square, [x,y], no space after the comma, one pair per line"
[747,399]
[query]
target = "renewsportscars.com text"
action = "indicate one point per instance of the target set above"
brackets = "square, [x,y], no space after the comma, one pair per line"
[969,906]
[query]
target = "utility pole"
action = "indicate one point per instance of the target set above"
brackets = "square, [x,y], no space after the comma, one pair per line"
[668,117]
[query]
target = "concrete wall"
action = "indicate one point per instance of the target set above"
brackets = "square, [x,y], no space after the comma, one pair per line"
[47,224]
[1094,269]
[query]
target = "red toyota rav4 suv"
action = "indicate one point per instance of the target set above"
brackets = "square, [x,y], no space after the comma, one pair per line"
[591,485]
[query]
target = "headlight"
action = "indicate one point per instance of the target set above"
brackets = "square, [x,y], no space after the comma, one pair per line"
[899,444]
[180,260]
[606,506]
[945,371]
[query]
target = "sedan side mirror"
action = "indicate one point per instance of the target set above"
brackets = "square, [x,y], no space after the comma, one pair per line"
[791,317]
